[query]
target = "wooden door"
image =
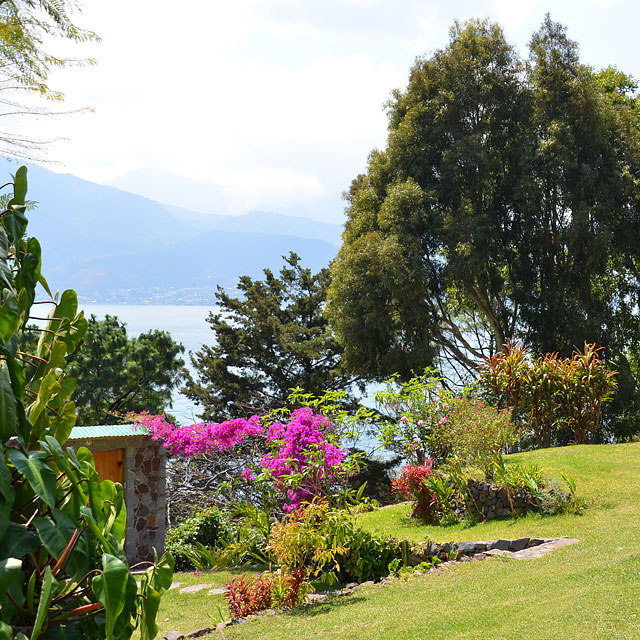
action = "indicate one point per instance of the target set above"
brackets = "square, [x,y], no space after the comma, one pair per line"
[110,464]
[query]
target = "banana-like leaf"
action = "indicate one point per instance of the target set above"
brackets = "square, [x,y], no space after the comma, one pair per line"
[63,423]
[8,414]
[6,488]
[10,569]
[110,588]
[55,536]
[9,315]
[46,595]
[114,509]
[47,387]
[17,541]
[39,474]
[5,512]
[6,632]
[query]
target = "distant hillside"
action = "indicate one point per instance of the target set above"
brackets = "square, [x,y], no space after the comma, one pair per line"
[114,246]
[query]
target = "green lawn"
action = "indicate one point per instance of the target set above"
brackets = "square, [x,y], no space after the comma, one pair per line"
[586,590]
[190,611]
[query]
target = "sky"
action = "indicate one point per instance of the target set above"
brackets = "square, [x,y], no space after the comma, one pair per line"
[270,105]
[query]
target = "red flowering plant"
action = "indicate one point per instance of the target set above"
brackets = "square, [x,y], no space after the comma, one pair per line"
[410,483]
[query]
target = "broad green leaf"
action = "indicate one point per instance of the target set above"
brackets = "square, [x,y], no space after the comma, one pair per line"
[39,474]
[45,391]
[8,414]
[16,371]
[96,500]
[10,569]
[6,276]
[148,612]
[5,512]
[163,573]
[90,521]
[63,423]
[6,632]
[20,186]
[46,595]
[17,541]
[4,245]
[55,536]
[110,588]
[9,315]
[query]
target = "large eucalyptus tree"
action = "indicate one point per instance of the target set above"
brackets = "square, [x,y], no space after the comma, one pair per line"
[504,207]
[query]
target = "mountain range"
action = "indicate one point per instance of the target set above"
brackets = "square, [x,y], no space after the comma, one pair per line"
[113,246]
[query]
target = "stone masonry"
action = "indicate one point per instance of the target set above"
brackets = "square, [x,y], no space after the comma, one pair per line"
[145,499]
[144,491]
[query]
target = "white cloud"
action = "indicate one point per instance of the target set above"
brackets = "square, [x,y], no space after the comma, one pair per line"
[277,102]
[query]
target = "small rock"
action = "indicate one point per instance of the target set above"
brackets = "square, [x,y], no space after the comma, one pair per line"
[174,585]
[221,626]
[519,544]
[173,635]
[502,545]
[194,588]
[351,585]
[216,592]
[497,552]
[199,632]
[317,597]
[466,548]
[368,583]
[534,542]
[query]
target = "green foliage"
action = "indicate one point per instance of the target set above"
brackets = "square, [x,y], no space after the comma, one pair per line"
[503,207]
[116,374]
[209,528]
[328,544]
[272,339]
[556,399]
[27,29]
[250,543]
[414,409]
[63,572]
[473,431]
[427,420]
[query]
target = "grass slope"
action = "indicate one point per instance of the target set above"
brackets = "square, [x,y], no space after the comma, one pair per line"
[587,590]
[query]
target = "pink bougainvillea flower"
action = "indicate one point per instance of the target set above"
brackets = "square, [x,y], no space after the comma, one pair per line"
[403,419]
[443,420]
[248,474]
[420,423]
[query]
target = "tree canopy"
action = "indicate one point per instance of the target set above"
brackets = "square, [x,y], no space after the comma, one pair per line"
[504,207]
[116,374]
[27,30]
[271,339]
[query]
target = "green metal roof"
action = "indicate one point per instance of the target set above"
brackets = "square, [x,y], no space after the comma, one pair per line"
[108,431]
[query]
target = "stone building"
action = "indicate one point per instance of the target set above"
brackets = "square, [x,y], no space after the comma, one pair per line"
[124,453]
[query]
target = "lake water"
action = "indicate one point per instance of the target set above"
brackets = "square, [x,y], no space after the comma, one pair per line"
[186,324]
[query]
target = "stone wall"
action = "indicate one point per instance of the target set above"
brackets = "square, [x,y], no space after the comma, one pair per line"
[146,500]
[492,502]
[144,491]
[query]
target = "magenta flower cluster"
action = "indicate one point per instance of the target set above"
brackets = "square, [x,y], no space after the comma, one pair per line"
[300,441]
[200,437]
[300,448]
